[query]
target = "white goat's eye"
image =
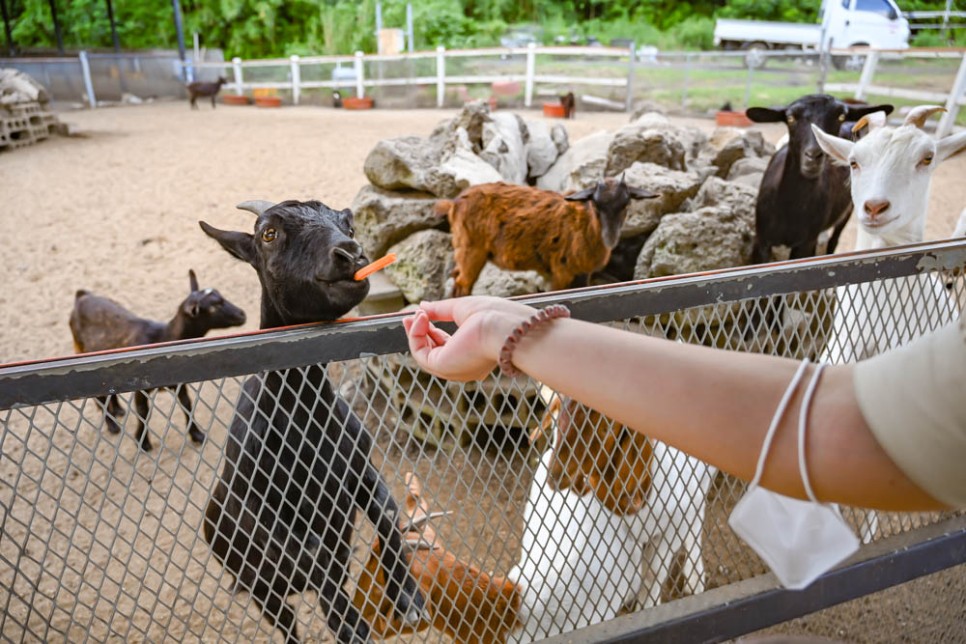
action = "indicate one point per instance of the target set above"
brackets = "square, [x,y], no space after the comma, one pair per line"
[269,235]
[854,164]
[926,160]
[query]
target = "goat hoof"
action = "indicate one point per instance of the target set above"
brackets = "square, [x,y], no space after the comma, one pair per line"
[147,447]
[113,428]
[417,616]
[197,437]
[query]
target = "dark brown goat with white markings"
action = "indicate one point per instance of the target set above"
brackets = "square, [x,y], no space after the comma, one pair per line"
[201,89]
[522,228]
[98,323]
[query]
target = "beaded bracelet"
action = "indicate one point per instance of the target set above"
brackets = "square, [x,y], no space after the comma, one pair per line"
[542,316]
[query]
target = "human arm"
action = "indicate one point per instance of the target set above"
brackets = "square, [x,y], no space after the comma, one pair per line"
[715,405]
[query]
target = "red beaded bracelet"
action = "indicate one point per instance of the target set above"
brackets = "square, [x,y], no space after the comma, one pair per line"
[552,312]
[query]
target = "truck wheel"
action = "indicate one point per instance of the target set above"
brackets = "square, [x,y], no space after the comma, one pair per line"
[850,62]
[755,57]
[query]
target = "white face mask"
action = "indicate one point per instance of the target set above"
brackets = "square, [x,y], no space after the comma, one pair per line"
[799,540]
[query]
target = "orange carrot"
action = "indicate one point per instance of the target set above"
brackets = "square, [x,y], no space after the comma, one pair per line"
[377,265]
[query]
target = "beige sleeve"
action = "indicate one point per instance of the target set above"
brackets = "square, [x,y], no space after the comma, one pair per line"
[914,400]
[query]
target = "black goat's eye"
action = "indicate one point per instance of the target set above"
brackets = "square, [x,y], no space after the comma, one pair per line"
[269,235]
[790,119]
[352,231]
[841,118]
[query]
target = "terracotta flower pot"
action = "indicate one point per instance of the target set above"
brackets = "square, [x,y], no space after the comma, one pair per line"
[355,103]
[235,99]
[553,110]
[732,119]
[268,101]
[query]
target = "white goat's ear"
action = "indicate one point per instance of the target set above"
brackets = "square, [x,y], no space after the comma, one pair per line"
[950,145]
[838,149]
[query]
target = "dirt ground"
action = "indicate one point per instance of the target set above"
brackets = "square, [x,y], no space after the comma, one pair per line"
[115,210]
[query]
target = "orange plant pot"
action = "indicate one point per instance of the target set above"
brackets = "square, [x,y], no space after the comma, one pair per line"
[553,110]
[355,103]
[235,99]
[732,119]
[268,101]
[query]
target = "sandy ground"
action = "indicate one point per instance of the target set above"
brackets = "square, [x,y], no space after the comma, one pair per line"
[102,540]
[116,211]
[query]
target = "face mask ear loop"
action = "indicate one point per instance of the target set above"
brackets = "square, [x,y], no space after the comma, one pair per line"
[803,426]
[776,419]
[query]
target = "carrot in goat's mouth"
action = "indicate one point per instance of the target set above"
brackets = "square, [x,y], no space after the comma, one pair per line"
[377,265]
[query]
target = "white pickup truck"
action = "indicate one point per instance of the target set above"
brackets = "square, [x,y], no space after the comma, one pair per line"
[844,23]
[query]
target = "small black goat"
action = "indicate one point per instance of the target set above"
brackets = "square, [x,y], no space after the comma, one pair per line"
[201,89]
[297,462]
[98,323]
[801,192]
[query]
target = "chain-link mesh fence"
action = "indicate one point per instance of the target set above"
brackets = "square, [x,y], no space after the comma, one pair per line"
[339,487]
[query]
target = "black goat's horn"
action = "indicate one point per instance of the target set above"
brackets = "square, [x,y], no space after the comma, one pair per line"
[918,115]
[257,206]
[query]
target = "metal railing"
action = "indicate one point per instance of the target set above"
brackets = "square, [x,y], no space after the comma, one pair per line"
[101,541]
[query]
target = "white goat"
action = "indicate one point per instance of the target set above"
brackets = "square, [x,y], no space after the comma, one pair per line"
[891,172]
[581,563]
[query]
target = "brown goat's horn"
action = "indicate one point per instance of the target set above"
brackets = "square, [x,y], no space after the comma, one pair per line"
[917,116]
[257,206]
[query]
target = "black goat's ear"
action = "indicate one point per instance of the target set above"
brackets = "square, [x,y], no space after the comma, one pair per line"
[766,114]
[191,307]
[241,245]
[192,280]
[640,193]
[855,112]
[583,195]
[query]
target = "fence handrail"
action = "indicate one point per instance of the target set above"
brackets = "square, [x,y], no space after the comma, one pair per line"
[72,377]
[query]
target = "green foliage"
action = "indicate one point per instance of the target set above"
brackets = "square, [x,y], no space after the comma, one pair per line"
[272,28]
[696,32]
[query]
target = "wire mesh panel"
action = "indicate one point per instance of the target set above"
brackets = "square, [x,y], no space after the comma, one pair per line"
[341,493]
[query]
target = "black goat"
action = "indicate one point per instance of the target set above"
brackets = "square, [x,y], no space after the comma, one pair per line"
[199,88]
[98,323]
[297,462]
[801,192]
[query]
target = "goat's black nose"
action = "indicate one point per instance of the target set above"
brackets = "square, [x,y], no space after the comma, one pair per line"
[349,251]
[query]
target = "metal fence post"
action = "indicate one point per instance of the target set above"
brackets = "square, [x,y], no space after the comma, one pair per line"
[952,102]
[360,90]
[236,65]
[440,76]
[687,80]
[629,102]
[86,71]
[868,72]
[296,79]
[531,67]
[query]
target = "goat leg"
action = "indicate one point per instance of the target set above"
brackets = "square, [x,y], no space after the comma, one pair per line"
[197,436]
[401,587]
[112,411]
[342,617]
[143,410]
[273,606]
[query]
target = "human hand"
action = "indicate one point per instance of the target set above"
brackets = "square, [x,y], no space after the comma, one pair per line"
[471,353]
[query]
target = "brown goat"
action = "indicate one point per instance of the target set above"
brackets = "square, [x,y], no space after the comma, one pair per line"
[465,603]
[569,104]
[523,228]
[594,454]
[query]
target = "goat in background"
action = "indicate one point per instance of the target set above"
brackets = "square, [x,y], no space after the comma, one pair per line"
[98,323]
